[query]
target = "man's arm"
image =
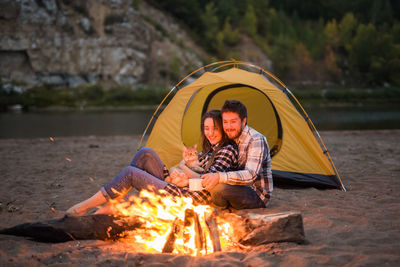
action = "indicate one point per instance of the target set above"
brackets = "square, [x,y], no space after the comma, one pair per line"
[223,161]
[255,156]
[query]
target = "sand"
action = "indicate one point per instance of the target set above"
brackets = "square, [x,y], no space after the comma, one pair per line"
[41,178]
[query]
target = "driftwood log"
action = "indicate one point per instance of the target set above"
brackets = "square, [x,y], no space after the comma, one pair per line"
[69,228]
[256,229]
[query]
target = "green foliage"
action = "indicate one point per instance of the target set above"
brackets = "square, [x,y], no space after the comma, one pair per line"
[231,36]
[347,30]
[374,56]
[332,33]
[281,55]
[250,21]
[210,24]
[346,95]
[91,95]
[42,96]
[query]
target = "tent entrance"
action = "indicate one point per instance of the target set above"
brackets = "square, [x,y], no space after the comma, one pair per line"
[261,112]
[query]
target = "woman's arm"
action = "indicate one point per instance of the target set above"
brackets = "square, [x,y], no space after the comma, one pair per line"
[189,173]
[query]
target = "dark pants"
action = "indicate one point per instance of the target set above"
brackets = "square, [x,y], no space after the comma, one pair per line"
[235,196]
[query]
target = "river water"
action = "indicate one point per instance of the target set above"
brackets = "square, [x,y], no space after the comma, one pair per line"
[133,122]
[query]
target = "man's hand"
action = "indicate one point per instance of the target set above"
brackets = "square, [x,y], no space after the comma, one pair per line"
[210,180]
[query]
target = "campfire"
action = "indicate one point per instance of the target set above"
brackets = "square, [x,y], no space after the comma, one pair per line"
[173,225]
[160,224]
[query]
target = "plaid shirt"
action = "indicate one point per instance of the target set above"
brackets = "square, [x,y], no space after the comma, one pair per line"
[226,159]
[254,165]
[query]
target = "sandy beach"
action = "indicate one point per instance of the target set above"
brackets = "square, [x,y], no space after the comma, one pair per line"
[41,178]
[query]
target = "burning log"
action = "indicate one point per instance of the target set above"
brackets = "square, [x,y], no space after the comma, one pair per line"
[69,228]
[175,231]
[213,230]
[192,218]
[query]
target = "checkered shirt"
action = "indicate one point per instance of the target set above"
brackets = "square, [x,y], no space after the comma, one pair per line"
[254,164]
[226,159]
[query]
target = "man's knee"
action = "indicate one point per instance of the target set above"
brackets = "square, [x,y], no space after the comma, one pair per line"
[219,197]
[219,190]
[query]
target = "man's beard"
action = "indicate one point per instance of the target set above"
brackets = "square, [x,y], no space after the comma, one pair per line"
[237,134]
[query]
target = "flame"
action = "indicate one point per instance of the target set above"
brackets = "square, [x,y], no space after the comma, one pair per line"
[160,212]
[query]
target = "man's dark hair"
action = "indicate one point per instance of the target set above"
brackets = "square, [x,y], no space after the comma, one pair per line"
[235,106]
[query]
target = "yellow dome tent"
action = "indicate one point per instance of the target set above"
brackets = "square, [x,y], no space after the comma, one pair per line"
[299,155]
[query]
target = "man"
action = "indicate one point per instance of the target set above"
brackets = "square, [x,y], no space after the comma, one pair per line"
[251,186]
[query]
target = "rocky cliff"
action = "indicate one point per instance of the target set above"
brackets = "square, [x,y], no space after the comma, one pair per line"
[72,42]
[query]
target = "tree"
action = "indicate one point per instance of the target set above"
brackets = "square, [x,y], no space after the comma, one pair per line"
[332,33]
[347,29]
[360,56]
[330,64]
[210,24]
[249,21]
[281,55]
[231,36]
[303,65]
[374,56]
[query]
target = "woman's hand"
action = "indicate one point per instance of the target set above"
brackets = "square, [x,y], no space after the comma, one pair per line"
[210,180]
[178,178]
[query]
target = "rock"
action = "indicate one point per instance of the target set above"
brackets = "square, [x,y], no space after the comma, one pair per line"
[79,47]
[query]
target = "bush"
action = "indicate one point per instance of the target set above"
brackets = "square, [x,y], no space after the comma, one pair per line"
[41,96]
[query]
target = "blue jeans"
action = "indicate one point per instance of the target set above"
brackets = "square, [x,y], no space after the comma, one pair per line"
[235,196]
[144,172]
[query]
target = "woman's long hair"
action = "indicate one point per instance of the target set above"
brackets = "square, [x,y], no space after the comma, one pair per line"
[216,116]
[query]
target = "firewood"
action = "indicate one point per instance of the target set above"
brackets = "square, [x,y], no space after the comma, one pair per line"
[191,218]
[213,230]
[69,228]
[175,231]
[199,238]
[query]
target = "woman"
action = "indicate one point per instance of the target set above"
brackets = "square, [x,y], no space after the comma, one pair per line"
[147,171]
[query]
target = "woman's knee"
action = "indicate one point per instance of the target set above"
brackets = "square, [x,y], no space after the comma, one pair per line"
[145,152]
[142,155]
